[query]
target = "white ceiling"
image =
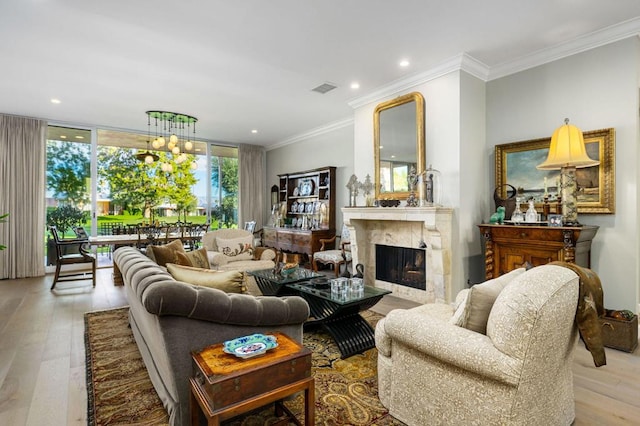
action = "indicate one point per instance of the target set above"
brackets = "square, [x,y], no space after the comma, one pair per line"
[251,64]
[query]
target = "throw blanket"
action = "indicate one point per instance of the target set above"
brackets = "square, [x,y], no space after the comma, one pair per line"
[590,308]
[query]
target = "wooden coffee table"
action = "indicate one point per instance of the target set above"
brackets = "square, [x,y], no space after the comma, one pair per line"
[224,386]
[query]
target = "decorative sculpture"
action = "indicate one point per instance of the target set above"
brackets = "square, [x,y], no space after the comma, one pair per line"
[498,216]
[353,185]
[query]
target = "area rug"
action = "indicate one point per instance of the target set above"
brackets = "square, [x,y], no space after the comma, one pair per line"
[119,391]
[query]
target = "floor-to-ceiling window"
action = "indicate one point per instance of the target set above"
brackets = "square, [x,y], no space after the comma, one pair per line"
[130,188]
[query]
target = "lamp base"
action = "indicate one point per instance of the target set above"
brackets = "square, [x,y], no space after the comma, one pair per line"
[569,189]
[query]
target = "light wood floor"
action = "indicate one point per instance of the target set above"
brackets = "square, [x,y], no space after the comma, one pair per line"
[42,361]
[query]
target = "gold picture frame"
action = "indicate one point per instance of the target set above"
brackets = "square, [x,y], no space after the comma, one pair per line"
[515,164]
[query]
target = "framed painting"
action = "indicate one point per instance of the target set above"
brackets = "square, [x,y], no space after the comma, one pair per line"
[516,165]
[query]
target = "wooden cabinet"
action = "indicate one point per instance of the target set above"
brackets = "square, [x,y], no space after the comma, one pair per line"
[308,209]
[508,247]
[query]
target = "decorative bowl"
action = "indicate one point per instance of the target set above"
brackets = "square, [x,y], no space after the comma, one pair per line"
[289,270]
[319,282]
[250,346]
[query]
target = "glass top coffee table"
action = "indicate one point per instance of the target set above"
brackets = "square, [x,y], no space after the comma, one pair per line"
[272,284]
[340,315]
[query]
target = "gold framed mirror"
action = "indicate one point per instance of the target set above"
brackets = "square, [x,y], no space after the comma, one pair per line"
[398,144]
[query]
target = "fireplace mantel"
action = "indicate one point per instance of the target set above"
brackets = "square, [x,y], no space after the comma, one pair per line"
[404,227]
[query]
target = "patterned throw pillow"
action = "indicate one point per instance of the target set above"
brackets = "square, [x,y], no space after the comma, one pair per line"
[227,281]
[198,258]
[237,248]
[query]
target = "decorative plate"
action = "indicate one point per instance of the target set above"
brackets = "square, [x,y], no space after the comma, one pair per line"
[250,346]
[306,187]
[294,207]
[309,207]
[294,222]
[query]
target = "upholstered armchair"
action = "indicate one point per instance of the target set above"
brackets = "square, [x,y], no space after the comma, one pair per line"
[504,356]
[335,257]
[233,249]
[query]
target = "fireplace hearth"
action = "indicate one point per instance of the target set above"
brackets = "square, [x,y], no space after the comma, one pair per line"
[401,265]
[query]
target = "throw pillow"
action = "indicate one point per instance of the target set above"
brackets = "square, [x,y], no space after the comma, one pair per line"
[474,311]
[237,248]
[227,281]
[198,258]
[168,253]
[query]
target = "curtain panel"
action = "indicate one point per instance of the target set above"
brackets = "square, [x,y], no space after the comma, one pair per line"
[22,196]
[251,168]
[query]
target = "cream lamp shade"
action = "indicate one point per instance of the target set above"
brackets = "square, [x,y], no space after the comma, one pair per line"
[567,149]
[566,153]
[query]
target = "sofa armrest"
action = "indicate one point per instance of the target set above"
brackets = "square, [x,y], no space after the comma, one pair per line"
[169,297]
[267,253]
[216,258]
[450,344]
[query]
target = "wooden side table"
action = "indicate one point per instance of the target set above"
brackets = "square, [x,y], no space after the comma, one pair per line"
[224,386]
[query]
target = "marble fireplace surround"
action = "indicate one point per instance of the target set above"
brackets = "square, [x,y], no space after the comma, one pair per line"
[404,227]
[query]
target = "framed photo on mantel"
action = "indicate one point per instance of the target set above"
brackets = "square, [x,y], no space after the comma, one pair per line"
[515,164]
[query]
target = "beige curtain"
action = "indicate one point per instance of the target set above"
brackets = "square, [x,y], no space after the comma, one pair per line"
[251,159]
[22,195]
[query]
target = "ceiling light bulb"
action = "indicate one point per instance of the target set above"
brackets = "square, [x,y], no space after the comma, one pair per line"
[179,160]
[173,139]
[169,168]
[355,85]
[254,131]
[155,144]
[404,63]
[161,141]
[170,145]
[188,145]
[175,150]
[194,165]
[165,167]
[55,101]
[148,159]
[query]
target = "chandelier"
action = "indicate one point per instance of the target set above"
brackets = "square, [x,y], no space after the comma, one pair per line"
[175,131]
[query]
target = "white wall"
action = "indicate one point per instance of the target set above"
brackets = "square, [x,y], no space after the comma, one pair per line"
[334,148]
[595,89]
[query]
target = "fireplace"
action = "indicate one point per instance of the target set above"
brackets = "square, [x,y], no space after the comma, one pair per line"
[404,227]
[401,265]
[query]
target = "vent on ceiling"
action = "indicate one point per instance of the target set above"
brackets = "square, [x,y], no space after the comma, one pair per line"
[324,88]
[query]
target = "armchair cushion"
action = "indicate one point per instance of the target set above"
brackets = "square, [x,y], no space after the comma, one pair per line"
[227,281]
[237,248]
[474,310]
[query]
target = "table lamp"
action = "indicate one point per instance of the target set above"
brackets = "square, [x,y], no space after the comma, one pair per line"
[567,153]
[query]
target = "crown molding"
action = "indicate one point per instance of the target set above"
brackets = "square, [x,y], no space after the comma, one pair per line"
[589,41]
[330,127]
[460,62]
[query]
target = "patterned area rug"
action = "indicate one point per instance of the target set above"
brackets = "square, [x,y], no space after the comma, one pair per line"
[119,390]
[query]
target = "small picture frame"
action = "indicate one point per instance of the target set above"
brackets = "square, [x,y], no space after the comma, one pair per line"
[555,220]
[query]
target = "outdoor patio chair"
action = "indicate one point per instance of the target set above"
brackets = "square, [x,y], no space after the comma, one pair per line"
[72,251]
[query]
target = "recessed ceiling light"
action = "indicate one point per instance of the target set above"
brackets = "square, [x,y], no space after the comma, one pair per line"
[55,101]
[381,147]
[63,137]
[254,131]
[393,156]
[355,85]
[404,63]
[79,137]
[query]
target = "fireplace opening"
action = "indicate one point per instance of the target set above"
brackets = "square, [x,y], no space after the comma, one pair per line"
[401,265]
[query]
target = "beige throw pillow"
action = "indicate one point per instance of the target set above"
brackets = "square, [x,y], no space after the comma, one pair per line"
[474,310]
[236,248]
[227,281]
[198,258]
[168,253]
